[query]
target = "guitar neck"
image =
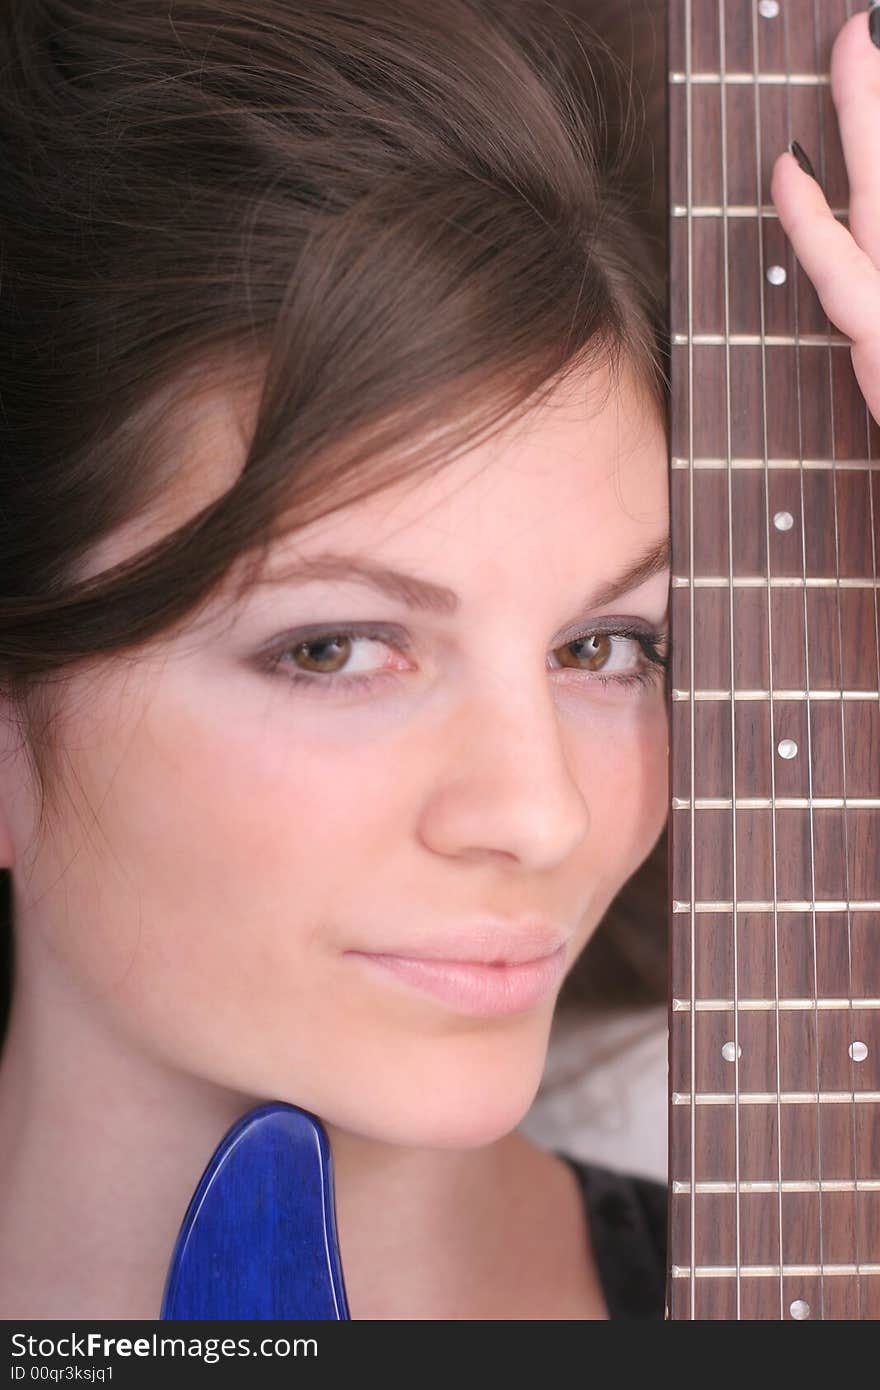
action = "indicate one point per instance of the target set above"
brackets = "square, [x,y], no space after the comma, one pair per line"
[774,828]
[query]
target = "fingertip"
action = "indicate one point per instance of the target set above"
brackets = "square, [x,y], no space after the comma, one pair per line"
[783,159]
[785,166]
[802,159]
[795,186]
[854,30]
[854,53]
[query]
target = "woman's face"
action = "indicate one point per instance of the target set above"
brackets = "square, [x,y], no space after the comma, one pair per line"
[235,843]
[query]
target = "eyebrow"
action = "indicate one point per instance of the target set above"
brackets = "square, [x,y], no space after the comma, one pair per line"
[422,594]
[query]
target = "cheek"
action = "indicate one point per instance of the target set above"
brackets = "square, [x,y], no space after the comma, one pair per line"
[235,854]
[245,888]
[254,802]
[622,768]
[193,905]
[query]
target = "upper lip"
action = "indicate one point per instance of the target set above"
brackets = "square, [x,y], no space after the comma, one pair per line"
[486,941]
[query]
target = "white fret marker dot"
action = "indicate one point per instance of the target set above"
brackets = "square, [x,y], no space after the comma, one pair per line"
[730,1051]
[776,274]
[768,9]
[858,1051]
[799,1309]
[787,748]
[783,521]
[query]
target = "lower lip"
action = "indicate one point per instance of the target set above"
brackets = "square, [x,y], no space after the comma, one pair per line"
[483,991]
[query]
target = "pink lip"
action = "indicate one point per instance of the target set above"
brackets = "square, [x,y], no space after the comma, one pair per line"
[483,991]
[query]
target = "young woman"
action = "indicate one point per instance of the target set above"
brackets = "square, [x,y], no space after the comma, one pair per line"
[333,618]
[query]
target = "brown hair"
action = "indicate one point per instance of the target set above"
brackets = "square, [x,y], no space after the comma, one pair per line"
[626,961]
[400,221]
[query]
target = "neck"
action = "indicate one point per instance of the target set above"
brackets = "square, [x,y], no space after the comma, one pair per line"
[103,1146]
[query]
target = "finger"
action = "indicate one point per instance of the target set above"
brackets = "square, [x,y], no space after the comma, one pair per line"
[855,87]
[843,275]
[866,365]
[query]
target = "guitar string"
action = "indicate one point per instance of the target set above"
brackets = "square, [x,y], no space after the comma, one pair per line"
[691,653]
[797,279]
[823,170]
[759,192]
[843,682]
[869,435]
[869,473]
[722,90]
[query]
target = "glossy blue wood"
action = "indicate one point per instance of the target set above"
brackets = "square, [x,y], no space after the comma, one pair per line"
[259,1236]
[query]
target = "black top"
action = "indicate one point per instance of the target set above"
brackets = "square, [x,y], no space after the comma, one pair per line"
[626,1218]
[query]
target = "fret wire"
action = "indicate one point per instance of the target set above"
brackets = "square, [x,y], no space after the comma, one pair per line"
[722,94]
[738,210]
[756,1185]
[771,707]
[690,351]
[763,803]
[862,465]
[816,340]
[784,905]
[800,427]
[776,581]
[745,79]
[775,1098]
[780,694]
[763,1005]
[770,1271]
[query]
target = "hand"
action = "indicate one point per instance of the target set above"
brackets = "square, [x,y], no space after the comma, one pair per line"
[844,265]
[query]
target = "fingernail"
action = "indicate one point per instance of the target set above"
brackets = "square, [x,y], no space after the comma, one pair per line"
[874,22]
[802,159]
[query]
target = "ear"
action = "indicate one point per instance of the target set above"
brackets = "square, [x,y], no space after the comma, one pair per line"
[7,848]
[12,763]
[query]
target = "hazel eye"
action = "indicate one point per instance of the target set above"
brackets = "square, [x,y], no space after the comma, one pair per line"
[339,646]
[338,657]
[596,648]
[340,660]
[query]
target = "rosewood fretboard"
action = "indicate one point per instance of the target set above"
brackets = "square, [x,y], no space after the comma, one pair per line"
[775,701]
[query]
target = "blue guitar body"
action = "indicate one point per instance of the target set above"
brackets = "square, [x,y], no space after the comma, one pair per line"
[258,1240]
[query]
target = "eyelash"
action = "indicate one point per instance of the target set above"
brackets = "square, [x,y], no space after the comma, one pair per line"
[653,667]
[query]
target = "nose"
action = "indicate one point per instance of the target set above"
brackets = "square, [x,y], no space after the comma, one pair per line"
[502,783]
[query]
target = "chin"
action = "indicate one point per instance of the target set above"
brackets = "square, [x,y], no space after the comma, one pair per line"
[431,1127]
[453,1108]
[467,1131]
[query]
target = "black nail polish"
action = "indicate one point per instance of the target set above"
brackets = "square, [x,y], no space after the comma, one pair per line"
[874,22]
[802,159]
